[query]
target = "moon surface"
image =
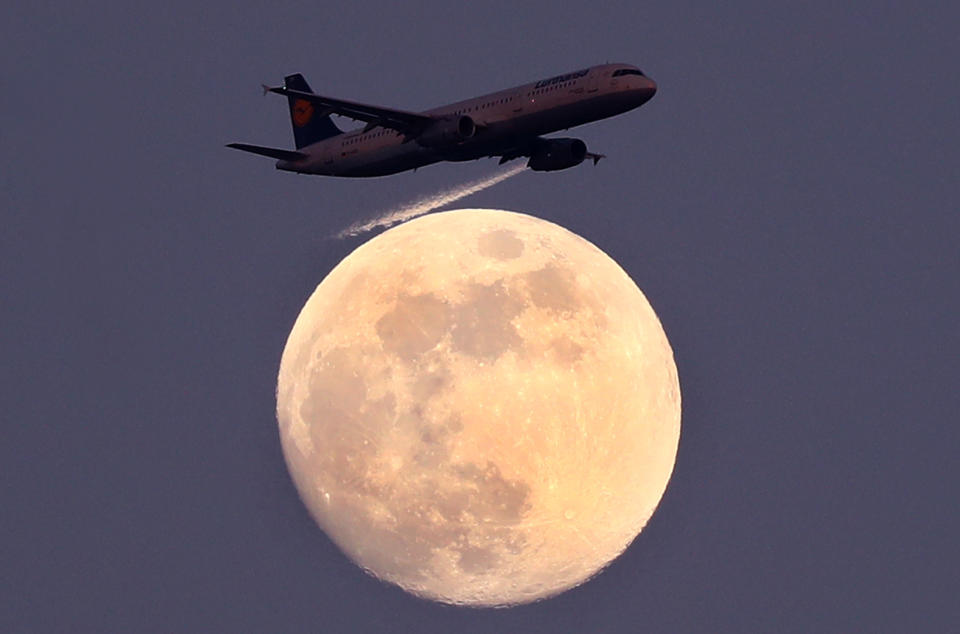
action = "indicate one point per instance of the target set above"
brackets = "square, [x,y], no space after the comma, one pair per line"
[479,406]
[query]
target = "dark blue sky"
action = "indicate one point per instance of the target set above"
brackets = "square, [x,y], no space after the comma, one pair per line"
[787,201]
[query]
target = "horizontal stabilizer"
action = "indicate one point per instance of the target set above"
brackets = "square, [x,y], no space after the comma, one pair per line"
[283,155]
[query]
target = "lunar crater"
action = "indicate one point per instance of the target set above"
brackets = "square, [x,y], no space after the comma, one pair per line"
[483,322]
[501,244]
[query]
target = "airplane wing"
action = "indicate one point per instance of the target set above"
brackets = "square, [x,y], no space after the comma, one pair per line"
[374,116]
[522,147]
[527,147]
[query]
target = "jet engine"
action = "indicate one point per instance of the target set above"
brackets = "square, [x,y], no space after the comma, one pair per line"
[557,154]
[448,131]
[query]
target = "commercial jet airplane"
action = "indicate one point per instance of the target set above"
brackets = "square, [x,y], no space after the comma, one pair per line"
[508,124]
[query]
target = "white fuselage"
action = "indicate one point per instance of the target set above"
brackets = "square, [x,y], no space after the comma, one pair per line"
[505,119]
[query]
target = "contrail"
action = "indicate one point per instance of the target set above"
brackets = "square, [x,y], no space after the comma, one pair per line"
[427,204]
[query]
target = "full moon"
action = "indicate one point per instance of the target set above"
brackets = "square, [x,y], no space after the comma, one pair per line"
[480,407]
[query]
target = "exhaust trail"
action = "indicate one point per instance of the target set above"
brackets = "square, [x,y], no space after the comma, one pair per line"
[429,203]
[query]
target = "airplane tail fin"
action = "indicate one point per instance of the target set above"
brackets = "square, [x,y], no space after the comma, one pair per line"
[309,124]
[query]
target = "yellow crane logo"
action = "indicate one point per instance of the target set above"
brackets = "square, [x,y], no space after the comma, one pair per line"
[302,112]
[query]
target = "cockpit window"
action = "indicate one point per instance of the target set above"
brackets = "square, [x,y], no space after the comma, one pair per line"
[627,71]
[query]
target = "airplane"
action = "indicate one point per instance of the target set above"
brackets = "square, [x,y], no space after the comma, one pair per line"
[509,124]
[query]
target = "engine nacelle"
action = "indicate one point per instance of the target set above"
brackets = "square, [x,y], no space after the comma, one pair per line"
[448,131]
[557,154]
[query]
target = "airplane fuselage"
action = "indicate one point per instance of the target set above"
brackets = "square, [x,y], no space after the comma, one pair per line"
[504,120]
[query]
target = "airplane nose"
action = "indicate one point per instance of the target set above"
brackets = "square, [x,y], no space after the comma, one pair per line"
[649,89]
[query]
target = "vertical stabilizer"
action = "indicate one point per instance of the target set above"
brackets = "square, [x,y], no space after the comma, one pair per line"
[309,124]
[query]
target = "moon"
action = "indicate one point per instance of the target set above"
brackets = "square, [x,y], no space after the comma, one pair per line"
[480,407]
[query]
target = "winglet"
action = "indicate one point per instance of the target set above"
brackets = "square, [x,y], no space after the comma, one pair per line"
[596,157]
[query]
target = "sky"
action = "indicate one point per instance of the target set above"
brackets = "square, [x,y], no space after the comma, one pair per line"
[787,202]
